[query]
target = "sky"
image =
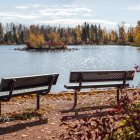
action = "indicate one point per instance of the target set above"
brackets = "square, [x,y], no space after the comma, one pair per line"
[108,13]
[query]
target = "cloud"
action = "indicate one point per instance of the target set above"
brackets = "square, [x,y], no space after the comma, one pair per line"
[87,15]
[10,15]
[137,7]
[51,12]
[36,5]
[21,7]
[73,22]
[63,11]
[8,18]
[57,13]
[64,15]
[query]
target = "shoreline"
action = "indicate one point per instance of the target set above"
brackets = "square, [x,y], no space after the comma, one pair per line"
[83,45]
[71,93]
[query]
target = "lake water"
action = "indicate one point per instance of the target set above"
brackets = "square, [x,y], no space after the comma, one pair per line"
[22,63]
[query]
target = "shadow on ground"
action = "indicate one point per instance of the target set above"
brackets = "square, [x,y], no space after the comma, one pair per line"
[84,112]
[20,126]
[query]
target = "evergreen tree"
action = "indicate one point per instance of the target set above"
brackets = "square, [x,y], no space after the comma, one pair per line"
[122,35]
[1,33]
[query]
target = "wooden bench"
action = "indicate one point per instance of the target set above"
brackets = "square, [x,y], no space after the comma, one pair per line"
[98,79]
[20,86]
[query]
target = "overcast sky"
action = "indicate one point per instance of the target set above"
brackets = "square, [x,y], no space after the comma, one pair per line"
[70,12]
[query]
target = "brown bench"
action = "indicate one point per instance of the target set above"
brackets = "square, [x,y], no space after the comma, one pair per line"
[20,86]
[98,79]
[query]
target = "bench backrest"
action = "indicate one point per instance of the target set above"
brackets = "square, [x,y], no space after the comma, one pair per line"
[28,81]
[97,76]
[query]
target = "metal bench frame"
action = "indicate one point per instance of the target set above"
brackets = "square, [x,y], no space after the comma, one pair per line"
[79,77]
[26,83]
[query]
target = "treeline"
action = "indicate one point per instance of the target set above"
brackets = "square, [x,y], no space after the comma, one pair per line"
[12,33]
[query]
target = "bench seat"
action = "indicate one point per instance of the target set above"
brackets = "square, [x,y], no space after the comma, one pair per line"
[96,85]
[23,92]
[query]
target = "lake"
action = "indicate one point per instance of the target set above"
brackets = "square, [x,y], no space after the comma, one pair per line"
[23,63]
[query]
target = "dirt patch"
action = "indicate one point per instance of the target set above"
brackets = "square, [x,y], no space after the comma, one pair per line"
[20,120]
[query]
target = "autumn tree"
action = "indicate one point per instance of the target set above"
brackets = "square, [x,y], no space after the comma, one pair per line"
[35,40]
[78,34]
[114,37]
[54,37]
[12,33]
[137,34]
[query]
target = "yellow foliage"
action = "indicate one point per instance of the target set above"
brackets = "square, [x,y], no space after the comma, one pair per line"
[78,31]
[36,40]
[54,37]
[113,36]
[137,34]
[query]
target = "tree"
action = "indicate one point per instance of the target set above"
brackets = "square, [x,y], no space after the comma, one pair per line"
[122,35]
[35,40]
[84,33]
[1,33]
[137,34]
[14,33]
[114,37]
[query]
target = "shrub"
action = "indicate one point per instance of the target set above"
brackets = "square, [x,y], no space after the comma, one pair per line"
[121,123]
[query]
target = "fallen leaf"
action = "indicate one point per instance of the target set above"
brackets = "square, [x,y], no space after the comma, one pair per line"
[14,134]
[23,135]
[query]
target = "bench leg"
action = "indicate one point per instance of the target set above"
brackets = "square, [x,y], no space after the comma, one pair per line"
[38,101]
[75,100]
[0,108]
[118,96]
